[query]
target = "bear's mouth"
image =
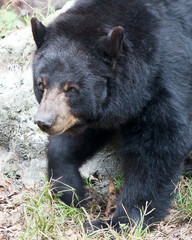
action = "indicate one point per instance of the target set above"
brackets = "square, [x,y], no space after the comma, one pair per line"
[54,133]
[72,131]
[75,130]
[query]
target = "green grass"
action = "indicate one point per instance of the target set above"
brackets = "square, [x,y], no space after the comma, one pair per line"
[88,182]
[118,181]
[10,21]
[46,217]
[183,200]
[44,17]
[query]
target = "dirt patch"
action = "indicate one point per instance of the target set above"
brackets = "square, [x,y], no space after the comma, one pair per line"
[10,209]
[12,222]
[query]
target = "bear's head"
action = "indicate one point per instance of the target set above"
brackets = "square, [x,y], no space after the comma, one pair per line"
[72,68]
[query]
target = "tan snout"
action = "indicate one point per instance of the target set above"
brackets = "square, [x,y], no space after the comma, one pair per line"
[54,115]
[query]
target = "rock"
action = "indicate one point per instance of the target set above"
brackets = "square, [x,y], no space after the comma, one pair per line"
[106,162]
[22,144]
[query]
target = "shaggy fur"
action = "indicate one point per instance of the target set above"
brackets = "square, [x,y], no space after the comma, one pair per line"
[130,63]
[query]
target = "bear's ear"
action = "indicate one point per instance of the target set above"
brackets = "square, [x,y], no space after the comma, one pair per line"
[39,31]
[112,43]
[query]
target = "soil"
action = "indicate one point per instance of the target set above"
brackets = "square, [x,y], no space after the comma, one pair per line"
[11,211]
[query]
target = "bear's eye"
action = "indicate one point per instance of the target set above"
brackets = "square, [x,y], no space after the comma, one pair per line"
[42,83]
[41,86]
[72,90]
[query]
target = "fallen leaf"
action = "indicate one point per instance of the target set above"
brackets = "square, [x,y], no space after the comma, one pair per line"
[112,195]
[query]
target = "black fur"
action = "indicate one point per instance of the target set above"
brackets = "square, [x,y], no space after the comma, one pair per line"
[140,89]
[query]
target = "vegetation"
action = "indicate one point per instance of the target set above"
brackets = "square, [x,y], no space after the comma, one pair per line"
[183,199]
[46,217]
[118,181]
[9,20]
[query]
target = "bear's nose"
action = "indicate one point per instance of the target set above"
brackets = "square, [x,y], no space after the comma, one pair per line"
[44,124]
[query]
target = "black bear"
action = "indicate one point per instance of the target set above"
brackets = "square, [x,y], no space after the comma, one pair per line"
[108,67]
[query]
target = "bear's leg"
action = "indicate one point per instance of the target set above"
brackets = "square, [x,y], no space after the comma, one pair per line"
[66,154]
[145,192]
[152,168]
[144,187]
